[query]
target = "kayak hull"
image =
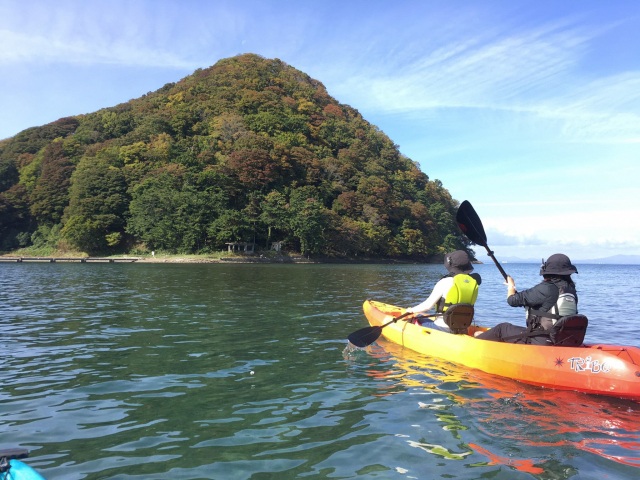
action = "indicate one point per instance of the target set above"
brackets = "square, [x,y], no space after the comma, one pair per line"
[597,369]
[20,471]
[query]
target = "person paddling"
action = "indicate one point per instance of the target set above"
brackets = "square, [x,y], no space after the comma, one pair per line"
[545,303]
[458,286]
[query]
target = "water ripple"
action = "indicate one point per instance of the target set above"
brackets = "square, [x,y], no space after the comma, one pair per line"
[240,372]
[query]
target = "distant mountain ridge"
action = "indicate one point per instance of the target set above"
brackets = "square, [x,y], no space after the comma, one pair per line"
[612,260]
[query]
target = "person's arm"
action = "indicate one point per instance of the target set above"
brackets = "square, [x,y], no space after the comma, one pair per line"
[439,290]
[511,286]
[533,297]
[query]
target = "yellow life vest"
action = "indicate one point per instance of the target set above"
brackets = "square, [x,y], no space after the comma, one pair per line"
[464,290]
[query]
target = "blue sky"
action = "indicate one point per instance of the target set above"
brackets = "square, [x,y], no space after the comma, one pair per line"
[528,109]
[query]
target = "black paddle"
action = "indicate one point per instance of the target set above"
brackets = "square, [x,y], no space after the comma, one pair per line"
[471,226]
[367,335]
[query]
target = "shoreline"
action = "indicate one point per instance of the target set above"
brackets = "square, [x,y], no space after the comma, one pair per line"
[279,259]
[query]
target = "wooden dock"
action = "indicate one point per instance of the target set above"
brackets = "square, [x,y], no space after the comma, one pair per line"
[67,259]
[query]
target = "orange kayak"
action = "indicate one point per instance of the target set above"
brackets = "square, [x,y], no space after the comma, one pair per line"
[597,369]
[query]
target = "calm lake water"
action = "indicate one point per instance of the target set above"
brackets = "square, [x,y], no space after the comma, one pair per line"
[207,371]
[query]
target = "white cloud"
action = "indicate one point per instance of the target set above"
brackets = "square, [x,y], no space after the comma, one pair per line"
[27,47]
[486,71]
[535,72]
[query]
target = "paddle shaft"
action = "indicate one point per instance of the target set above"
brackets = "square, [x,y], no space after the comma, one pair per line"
[406,314]
[368,335]
[490,253]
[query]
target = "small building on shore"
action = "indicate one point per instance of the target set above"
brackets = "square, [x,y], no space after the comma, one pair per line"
[246,247]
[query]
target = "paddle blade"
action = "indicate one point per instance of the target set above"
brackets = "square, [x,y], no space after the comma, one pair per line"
[365,336]
[470,224]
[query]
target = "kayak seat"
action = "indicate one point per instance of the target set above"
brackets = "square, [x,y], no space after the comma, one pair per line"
[569,331]
[459,317]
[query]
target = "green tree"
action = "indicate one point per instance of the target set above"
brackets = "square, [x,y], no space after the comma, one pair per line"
[153,212]
[94,220]
[15,220]
[308,219]
[275,215]
[167,212]
[51,191]
[8,174]
[231,226]
[89,234]
[413,241]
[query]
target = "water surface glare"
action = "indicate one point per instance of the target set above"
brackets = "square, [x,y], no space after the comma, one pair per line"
[210,371]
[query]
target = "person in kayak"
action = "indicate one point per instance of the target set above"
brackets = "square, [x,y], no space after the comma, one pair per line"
[545,303]
[458,286]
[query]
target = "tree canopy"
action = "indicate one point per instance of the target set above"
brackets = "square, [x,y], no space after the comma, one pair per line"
[248,150]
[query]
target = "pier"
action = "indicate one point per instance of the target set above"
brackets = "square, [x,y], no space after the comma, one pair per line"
[68,259]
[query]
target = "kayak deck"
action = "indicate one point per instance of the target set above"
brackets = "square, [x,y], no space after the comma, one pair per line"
[598,369]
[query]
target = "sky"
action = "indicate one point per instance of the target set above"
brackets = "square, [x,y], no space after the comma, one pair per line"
[530,110]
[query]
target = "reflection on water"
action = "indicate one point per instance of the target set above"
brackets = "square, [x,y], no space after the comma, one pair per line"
[119,371]
[524,428]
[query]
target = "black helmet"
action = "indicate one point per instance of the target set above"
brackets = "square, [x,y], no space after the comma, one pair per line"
[557,264]
[458,262]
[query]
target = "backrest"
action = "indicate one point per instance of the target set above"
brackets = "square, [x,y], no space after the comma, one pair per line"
[459,316]
[569,331]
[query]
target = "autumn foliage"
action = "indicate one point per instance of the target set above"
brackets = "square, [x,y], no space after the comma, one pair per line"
[248,150]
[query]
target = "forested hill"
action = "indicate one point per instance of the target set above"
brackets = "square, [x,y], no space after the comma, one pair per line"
[248,150]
